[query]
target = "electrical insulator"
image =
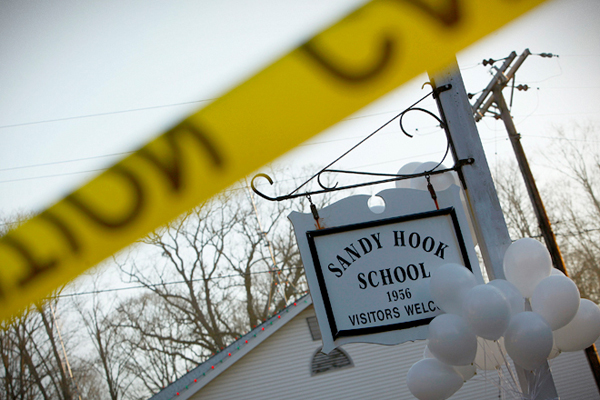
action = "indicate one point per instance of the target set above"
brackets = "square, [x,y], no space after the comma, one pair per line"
[522,87]
[489,61]
[547,55]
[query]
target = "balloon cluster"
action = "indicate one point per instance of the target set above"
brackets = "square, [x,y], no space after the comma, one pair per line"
[484,324]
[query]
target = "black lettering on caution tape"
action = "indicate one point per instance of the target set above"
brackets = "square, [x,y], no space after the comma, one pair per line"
[34,266]
[387,49]
[63,228]
[172,168]
[449,15]
[119,222]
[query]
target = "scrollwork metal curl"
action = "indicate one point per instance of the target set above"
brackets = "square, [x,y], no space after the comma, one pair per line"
[417,109]
[321,183]
[384,177]
[258,192]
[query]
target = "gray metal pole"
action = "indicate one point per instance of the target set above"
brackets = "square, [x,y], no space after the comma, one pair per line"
[488,220]
[490,227]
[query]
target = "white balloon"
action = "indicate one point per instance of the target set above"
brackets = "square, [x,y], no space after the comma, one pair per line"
[490,354]
[449,284]
[439,181]
[528,340]
[467,371]
[487,311]
[555,271]
[556,299]
[511,293]
[431,379]
[582,331]
[526,263]
[406,169]
[451,341]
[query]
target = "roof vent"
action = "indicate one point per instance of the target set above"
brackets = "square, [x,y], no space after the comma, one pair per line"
[336,359]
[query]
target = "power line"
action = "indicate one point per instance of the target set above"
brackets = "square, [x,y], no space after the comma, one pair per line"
[103,114]
[127,153]
[132,152]
[53,176]
[230,190]
[170,283]
[538,115]
[437,130]
[526,136]
[75,294]
[145,109]
[579,233]
[560,138]
[67,161]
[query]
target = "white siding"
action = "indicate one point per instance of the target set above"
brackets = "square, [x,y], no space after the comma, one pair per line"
[573,377]
[279,368]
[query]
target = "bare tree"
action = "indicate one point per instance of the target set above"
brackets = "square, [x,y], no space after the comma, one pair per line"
[21,378]
[110,360]
[516,207]
[576,158]
[210,276]
[34,350]
[33,360]
[572,201]
[161,349]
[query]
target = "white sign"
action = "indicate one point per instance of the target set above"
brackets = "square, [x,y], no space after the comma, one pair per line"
[369,273]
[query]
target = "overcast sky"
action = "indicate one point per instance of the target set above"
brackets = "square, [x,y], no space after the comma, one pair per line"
[83,83]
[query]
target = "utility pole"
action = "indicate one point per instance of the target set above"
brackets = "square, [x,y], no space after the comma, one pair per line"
[488,220]
[493,95]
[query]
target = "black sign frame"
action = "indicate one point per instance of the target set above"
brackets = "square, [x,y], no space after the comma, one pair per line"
[311,235]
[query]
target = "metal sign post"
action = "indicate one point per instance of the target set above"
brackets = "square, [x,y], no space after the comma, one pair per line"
[488,220]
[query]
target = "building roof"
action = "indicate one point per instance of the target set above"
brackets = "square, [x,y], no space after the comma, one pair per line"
[190,383]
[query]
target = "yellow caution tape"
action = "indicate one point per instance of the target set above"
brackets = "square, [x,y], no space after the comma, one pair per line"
[368,53]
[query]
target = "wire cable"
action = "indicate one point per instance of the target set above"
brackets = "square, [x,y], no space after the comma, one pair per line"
[103,114]
[168,283]
[67,161]
[53,176]
[145,109]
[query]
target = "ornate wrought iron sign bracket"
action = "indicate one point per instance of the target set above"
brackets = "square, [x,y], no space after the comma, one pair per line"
[381,177]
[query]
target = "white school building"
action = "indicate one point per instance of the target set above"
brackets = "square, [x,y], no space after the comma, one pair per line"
[281,359]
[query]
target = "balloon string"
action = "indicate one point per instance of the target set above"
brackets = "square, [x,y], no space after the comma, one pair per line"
[509,387]
[508,384]
[504,387]
[510,371]
[541,376]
